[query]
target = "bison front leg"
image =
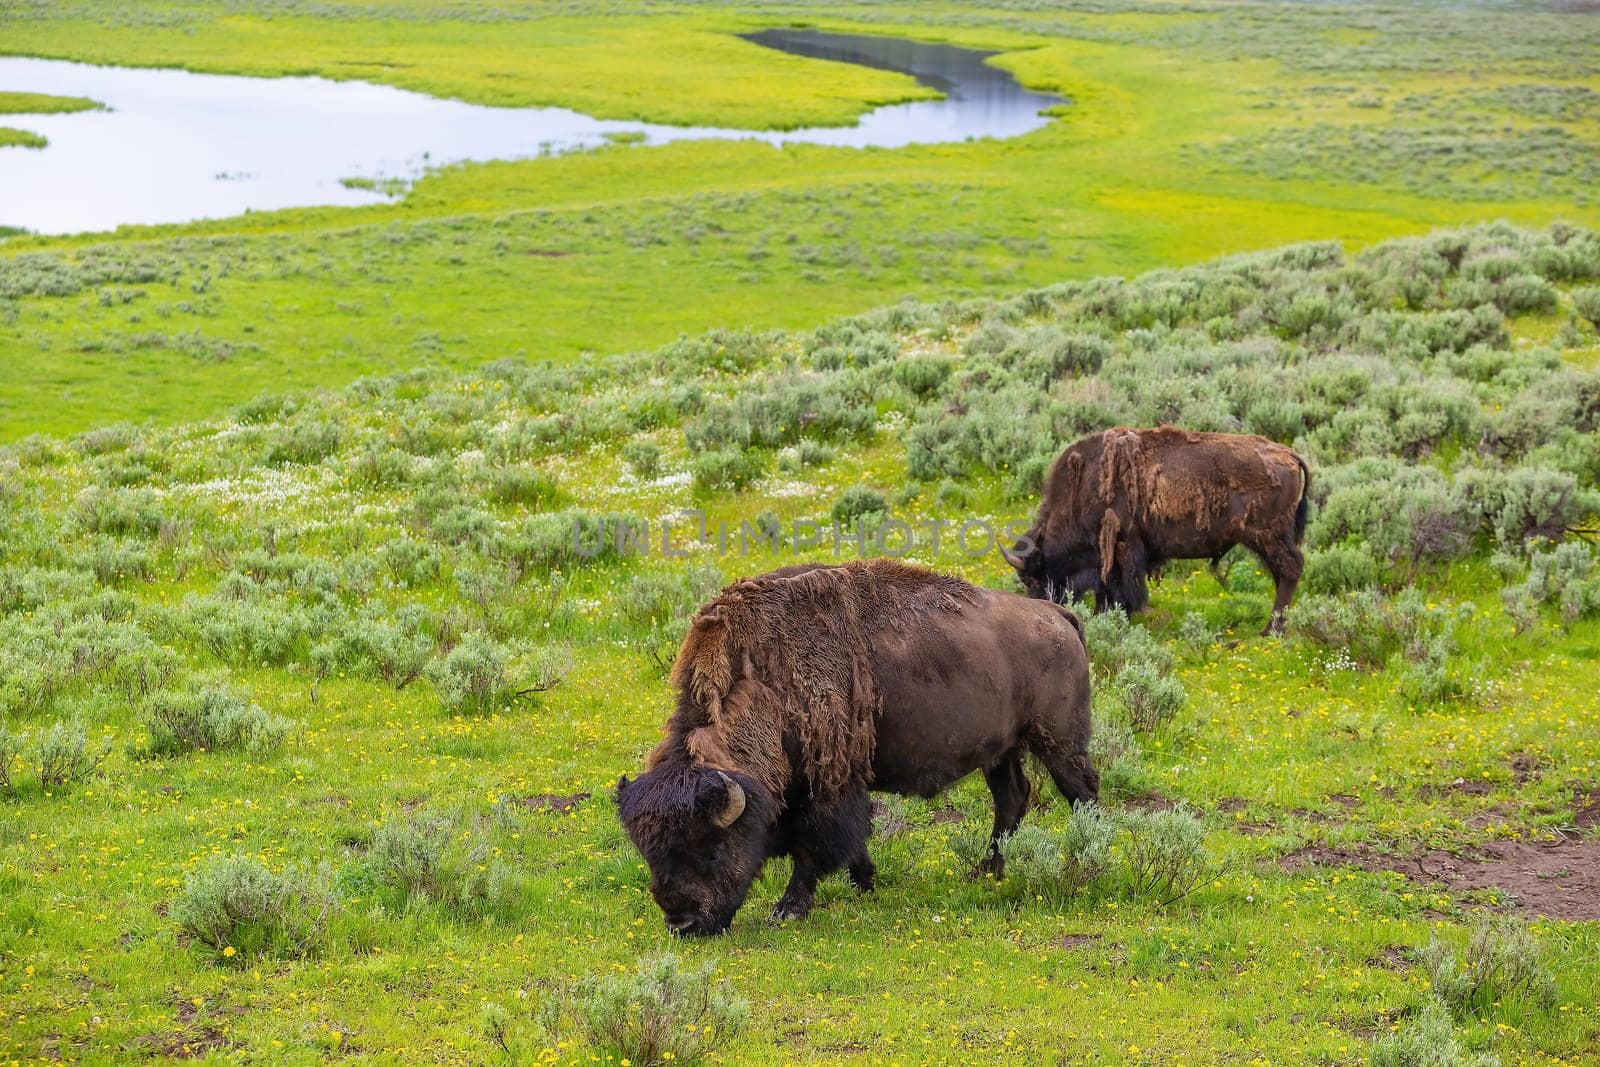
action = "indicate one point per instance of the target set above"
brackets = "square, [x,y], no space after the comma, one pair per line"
[1009,784]
[822,841]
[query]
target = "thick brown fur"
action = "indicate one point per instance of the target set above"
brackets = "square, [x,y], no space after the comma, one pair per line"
[1120,503]
[787,655]
[800,690]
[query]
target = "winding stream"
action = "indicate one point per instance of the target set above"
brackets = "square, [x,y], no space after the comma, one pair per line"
[176,146]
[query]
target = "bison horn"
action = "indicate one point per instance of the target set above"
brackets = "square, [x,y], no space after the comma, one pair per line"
[735,808]
[1018,560]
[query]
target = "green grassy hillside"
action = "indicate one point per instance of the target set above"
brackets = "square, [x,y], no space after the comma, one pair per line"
[296,635]
[1194,130]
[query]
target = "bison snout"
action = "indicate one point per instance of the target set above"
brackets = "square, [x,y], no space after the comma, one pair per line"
[695,925]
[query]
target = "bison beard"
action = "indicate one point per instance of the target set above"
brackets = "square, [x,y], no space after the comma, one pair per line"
[1119,504]
[800,689]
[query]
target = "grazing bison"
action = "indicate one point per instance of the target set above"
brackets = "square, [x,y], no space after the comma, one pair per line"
[800,690]
[1119,504]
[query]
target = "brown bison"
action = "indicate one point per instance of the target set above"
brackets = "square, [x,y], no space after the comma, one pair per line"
[1119,504]
[800,690]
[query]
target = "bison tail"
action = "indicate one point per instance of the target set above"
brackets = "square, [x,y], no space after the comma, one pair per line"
[1072,619]
[1302,511]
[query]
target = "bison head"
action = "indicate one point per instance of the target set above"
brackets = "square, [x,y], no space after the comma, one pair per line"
[705,835]
[1050,576]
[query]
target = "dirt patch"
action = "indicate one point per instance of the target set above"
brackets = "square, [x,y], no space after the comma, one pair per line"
[1526,766]
[561,805]
[547,253]
[1150,802]
[1345,800]
[1459,787]
[1393,958]
[188,1045]
[1076,940]
[1560,880]
[949,815]
[1232,805]
[886,822]
[1586,811]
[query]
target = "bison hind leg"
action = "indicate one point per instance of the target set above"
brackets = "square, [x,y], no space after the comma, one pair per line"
[1012,791]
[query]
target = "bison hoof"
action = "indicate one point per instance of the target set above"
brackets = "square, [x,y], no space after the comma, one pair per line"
[993,867]
[790,909]
[863,876]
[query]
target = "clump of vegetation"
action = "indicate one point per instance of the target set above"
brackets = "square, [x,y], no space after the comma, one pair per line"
[1153,697]
[66,756]
[1058,865]
[241,910]
[1164,853]
[429,858]
[643,456]
[212,719]
[472,678]
[1501,961]
[1427,1039]
[728,468]
[662,1013]
[11,745]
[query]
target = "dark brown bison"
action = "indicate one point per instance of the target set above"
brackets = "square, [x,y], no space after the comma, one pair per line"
[800,690]
[1119,504]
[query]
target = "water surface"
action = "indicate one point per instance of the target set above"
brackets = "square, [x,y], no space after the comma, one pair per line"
[176,146]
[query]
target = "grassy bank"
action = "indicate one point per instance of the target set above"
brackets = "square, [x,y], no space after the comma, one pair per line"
[1180,144]
[297,635]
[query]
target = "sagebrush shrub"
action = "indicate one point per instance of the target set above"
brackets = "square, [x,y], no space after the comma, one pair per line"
[237,902]
[11,745]
[731,468]
[1339,569]
[1059,864]
[1153,695]
[662,1013]
[1114,642]
[1586,302]
[211,719]
[860,505]
[1164,853]
[471,678]
[65,755]
[1501,961]
[432,858]
[1427,1039]
[1564,575]
[643,456]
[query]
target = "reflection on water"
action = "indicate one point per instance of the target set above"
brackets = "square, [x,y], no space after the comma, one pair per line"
[177,146]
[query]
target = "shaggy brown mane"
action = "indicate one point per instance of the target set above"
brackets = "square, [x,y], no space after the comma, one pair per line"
[786,658]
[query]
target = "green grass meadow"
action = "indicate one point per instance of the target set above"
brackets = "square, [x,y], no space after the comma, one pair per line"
[288,577]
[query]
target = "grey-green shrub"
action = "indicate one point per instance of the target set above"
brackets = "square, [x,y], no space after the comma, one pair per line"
[1501,961]
[1153,696]
[1586,302]
[1163,852]
[211,719]
[643,456]
[237,902]
[1058,864]
[1565,575]
[730,468]
[1114,751]
[432,858]
[1339,569]
[860,504]
[1427,1039]
[471,678]
[11,745]
[1114,642]
[662,1012]
[65,755]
